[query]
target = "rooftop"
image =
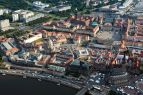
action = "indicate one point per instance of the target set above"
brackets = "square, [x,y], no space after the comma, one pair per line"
[60,59]
[106,35]
[83,52]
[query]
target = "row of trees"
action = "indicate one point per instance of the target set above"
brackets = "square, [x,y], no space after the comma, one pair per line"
[38,21]
[2,66]
[14,4]
[13,32]
[1,59]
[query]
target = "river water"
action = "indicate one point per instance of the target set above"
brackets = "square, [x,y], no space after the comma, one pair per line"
[17,85]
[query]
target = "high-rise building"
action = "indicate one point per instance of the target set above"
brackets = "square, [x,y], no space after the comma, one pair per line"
[25,15]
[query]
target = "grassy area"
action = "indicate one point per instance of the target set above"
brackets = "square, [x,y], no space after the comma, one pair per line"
[50,16]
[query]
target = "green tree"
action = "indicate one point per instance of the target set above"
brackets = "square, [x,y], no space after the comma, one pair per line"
[7,16]
[1,59]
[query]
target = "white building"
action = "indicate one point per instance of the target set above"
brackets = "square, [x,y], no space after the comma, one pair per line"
[1,12]
[4,25]
[31,37]
[61,8]
[25,15]
[64,8]
[8,48]
[83,53]
[37,16]
[15,17]
[6,11]
[40,5]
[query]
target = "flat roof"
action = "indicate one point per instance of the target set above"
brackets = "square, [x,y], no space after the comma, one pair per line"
[7,45]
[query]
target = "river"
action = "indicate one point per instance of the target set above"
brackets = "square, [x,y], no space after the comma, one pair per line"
[17,85]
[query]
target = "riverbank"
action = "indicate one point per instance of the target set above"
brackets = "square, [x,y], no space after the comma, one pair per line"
[41,77]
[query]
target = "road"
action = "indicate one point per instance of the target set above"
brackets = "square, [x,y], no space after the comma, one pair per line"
[27,2]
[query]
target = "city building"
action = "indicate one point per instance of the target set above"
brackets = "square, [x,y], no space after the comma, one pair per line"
[107,27]
[15,17]
[27,58]
[43,60]
[25,15]
[95,2]
[61,8]
[36,16]
[90,31]
[99,90]
[137,9]
[4,25]
[39,4]
[1,12]
[6,11]
[87,3]
[8,47]
[126,4]
[30,37]
[78,67]
[118,24]
[118,76]
[59,63]
[83,53]
[105,1]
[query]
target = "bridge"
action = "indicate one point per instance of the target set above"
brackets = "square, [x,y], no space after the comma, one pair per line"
[84,90]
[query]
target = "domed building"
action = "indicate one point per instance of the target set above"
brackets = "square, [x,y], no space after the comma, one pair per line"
[117,75]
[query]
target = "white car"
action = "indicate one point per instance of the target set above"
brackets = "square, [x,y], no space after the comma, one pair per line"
[93,76]
[91,80]
[97,81]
